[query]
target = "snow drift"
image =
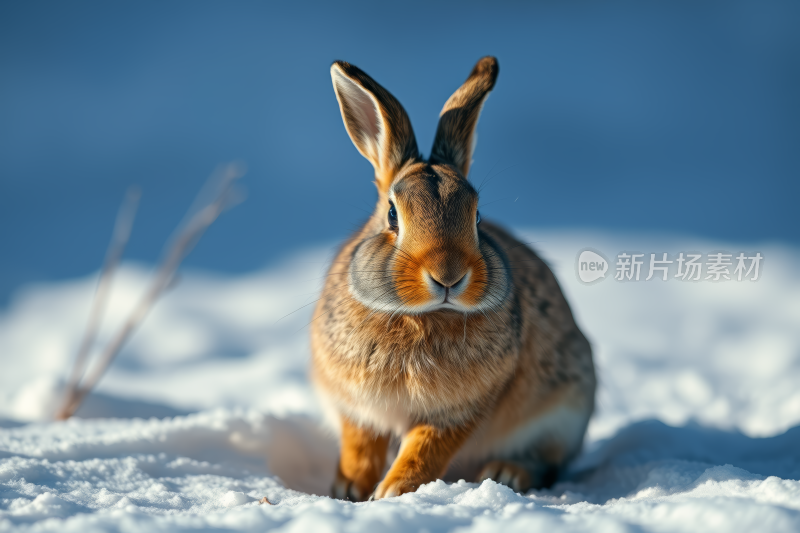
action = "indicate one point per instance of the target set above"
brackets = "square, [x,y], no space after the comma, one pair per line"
[209,409]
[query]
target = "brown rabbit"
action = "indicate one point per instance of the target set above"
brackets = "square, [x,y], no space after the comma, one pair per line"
[438,328]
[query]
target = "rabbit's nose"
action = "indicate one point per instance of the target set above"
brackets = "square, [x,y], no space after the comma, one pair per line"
[446,268]
[447,282]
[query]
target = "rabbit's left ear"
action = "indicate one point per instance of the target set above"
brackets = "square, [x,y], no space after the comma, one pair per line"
[455,137]
[376,122]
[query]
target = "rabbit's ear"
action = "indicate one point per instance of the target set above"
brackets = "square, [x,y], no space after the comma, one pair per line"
[376,122]
[455,136]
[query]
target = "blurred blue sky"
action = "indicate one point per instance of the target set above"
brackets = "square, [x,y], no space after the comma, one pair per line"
[676,117]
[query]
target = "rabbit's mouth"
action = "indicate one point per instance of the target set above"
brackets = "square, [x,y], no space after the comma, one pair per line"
[453,296]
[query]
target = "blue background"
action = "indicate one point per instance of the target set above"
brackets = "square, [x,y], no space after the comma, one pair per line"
[676,117]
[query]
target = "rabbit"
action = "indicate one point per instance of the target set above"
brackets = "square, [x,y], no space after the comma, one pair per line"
[436,327]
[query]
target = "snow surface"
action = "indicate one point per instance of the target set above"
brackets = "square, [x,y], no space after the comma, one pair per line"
[209,409]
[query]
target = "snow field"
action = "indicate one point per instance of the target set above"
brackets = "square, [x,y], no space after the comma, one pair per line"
[209,409]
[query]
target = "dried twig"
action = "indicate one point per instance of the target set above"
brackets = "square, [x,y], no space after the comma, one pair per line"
[185,240]
[119,239]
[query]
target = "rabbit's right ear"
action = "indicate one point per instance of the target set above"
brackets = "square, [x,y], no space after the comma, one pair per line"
[376,122]
[455,137]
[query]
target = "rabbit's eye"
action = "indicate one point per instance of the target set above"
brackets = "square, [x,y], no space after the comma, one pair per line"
[392,216]
[477,217]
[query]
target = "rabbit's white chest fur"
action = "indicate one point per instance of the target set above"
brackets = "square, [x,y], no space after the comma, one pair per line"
[420,390]
[388,413]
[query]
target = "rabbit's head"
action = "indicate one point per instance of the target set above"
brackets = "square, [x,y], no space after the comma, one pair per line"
[423,249]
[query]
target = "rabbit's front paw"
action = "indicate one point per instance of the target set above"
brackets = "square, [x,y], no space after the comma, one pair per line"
[395,486]
[509,474]
[354,490]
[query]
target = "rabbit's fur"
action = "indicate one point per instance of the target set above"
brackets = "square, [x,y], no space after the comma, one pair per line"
[437,329]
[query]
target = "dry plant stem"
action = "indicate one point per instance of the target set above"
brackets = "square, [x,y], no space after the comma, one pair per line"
[119,239]
[181,246]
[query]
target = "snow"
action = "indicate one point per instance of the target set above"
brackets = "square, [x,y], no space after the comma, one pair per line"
[209,409]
